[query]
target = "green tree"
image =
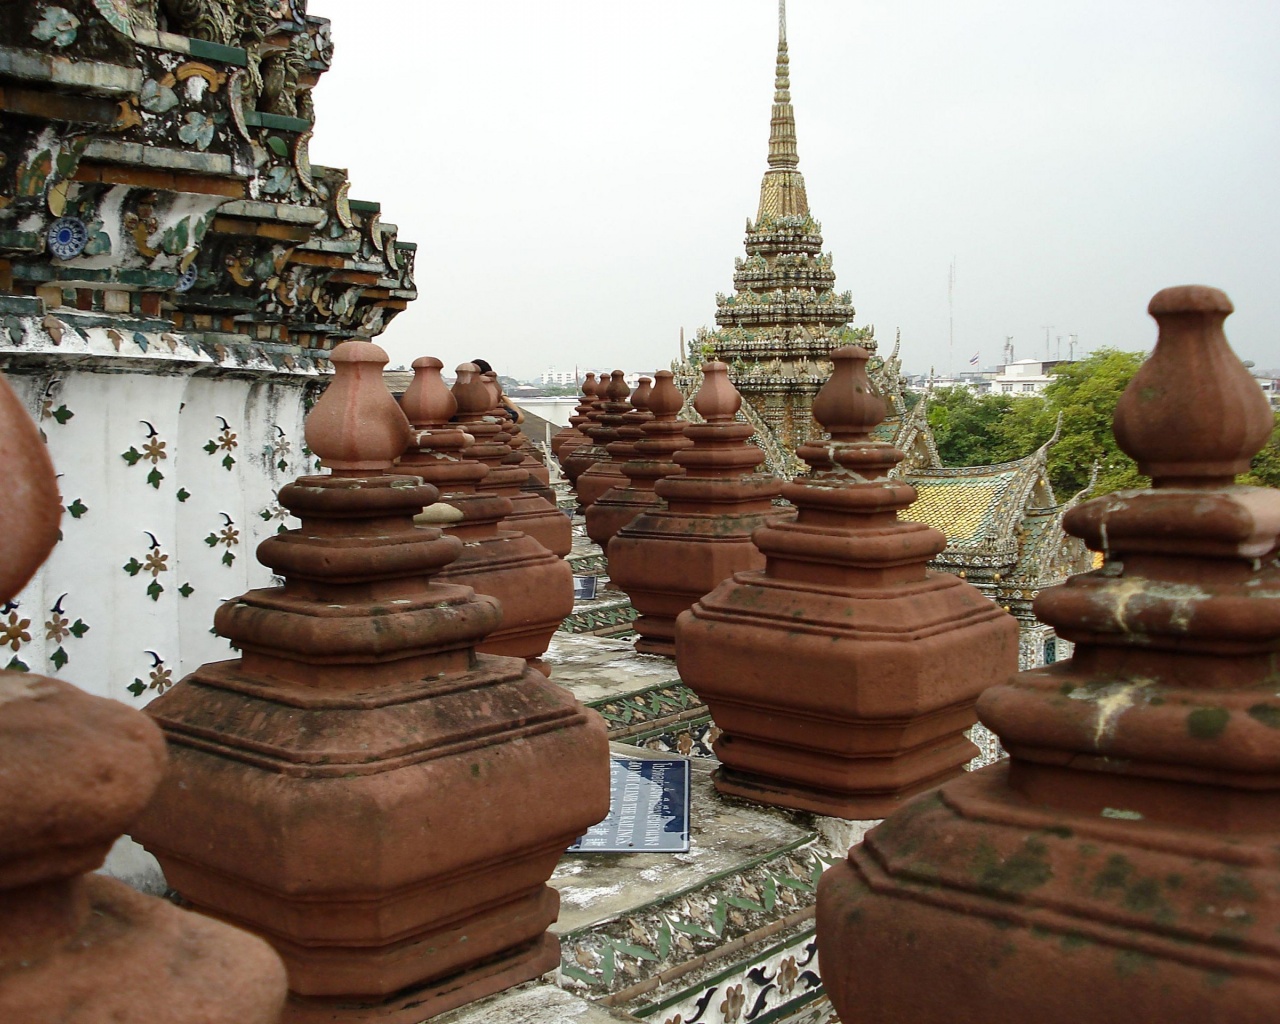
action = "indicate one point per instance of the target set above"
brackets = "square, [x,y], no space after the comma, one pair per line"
[965,425]
[1265,469]
[1086,393]
[975,430]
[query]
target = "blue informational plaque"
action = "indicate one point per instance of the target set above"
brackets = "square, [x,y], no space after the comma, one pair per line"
[584,587]
[648,809]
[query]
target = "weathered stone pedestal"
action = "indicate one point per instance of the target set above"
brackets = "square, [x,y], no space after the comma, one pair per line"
[75,771]
[666,559]
[530,513]
[360,787]
[568,438]
[1122,866]
[533,586]
[661,437]
[844,674]
[601,432]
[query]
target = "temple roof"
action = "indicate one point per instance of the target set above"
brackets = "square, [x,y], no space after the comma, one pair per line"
[983,510]
[972,504]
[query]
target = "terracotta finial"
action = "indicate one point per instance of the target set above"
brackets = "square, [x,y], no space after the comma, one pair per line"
[665,399]
[357,427]
[29,497]
[1192,415]
[617,390]
[470,392]
[717,400]
[847,406]
[428,399]
[589,385]
[490,380]
[640,396]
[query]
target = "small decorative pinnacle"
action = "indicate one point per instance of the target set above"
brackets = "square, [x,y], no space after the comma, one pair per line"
[470,392]
[428,401]
[847,406]
[490,379]
[357,427]
[717,400]
[617,390]
[665,400]
[1192,416]
[640,396]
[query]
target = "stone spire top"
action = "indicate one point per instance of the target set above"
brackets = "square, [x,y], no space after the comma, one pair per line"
[782,192]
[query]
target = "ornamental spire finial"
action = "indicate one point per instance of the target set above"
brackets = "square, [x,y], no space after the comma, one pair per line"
[782,126]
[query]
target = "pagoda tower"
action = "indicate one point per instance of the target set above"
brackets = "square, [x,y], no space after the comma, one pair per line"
[778,329]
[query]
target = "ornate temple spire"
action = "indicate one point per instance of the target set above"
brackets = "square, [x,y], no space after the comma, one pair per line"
[782,191]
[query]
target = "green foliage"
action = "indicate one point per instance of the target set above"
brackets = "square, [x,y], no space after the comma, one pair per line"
[1086,394]
[975,430]
[1265,468]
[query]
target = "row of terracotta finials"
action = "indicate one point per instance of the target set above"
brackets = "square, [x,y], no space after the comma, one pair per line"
[384,805]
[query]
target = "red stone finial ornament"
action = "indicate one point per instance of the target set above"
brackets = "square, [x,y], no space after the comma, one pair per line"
[601,432]
[1121,865]
[360,787]
[665,559]
[534,587]
[606,477]
[844,674]
[662,435]
[530,513]
[572,435]
[75,772]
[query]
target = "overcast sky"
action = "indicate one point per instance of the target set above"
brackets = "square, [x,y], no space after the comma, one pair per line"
[577,173]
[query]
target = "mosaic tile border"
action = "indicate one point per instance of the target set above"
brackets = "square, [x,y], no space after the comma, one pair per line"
[598,616]
[691,738]
[655,704]
[773,985]
[588,565]
[619,954]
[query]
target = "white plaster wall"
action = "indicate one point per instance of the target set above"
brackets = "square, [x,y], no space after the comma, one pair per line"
[149,640]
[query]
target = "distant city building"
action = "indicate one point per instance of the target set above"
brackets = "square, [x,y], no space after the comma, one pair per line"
[559,378]
[1023,378]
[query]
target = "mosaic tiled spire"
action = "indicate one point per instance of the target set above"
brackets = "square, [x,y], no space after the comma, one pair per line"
[784,319]
[782,190]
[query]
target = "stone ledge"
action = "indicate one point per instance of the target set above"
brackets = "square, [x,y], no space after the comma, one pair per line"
[93,76]
[192,47]
[111,151]
[255,210]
